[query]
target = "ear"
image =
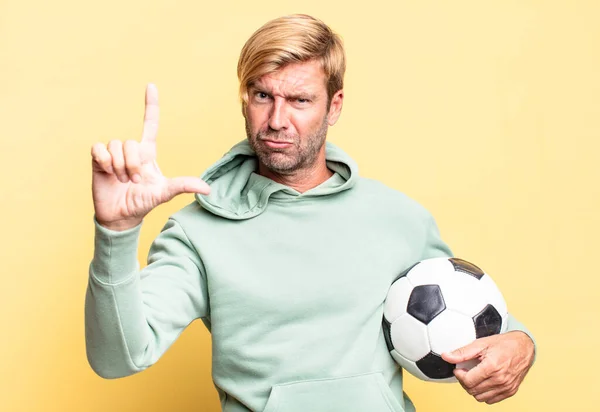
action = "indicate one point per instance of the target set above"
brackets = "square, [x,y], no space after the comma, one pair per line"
[335,107]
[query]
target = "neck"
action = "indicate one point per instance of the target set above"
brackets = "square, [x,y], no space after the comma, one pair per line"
[301,180]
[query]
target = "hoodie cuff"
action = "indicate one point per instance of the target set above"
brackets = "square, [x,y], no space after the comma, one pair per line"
[115,254]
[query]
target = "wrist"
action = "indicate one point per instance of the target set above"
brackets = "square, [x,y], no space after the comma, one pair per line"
[120,225]
[527,343]
[524,336]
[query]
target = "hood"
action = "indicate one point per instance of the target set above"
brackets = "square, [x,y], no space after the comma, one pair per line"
[238,192]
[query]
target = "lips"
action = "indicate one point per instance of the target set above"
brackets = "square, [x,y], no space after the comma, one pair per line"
[277,144]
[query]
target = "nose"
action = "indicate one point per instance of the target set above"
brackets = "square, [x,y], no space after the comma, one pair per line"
[278,118]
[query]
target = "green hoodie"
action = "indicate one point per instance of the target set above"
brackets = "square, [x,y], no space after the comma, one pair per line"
[291,286]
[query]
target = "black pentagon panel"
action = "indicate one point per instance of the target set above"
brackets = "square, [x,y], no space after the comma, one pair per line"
[466,267]
[425,303]
[434,367]
[405,272]
[387,334]
[487,322]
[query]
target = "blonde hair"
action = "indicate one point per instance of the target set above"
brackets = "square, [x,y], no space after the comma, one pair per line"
[296,38]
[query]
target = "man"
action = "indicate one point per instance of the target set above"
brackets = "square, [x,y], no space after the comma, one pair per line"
[286,254]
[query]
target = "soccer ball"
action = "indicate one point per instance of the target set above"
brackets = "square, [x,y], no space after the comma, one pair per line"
[439,305]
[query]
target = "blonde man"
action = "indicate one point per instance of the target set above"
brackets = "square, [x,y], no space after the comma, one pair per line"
[286,253]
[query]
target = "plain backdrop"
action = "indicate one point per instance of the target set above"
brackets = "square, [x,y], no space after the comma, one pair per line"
[487,113]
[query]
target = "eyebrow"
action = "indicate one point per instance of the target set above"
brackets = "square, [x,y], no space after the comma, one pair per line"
[301,95]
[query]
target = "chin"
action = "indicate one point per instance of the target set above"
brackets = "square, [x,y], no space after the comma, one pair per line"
[279,162]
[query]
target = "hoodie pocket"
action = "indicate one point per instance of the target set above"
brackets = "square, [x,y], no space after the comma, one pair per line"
[358,393]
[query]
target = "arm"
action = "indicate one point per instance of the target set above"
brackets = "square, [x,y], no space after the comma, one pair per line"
[504,359]
[132,316]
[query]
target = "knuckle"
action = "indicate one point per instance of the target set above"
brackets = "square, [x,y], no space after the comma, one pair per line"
[492,368]
[117,159]
[497,398]
[468,384]
[132,164]
[132,160]
[461,383]
[99,153]
[97,148]
[502,380]
[132,168]
[481,398]
[101,157]
[131,153]
[105,162]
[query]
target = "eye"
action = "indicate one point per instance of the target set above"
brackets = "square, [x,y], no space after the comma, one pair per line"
[261,95]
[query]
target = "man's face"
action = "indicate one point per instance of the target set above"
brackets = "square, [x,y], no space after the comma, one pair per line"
[287,117]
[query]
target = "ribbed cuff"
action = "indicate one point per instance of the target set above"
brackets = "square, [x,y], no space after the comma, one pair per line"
[115,254]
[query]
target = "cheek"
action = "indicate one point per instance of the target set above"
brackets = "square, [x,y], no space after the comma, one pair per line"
[307,122]
[255,120]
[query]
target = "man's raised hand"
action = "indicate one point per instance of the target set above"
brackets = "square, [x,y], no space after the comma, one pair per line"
[126,181]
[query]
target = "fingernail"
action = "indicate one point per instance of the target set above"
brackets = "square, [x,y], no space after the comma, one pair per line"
[136,178]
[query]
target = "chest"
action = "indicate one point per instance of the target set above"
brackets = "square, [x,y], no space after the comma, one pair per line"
[303,264]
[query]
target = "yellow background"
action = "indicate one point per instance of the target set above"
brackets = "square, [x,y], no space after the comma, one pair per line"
[485,112]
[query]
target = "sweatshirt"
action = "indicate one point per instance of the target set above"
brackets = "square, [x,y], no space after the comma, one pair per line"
[291,286]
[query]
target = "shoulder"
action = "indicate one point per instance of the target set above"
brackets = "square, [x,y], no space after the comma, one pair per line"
[382,197]
[191,215]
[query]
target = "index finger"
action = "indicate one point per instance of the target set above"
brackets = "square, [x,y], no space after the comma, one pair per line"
[151,115]
[473,377]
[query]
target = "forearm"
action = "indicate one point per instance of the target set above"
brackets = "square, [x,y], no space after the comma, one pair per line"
[133,316]
[116,328]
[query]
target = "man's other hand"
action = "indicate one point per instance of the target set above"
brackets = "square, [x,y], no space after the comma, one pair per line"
[504,360]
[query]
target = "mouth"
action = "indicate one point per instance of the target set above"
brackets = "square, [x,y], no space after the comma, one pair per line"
[274,144]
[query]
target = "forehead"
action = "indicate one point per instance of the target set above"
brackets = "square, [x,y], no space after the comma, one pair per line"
[294,78]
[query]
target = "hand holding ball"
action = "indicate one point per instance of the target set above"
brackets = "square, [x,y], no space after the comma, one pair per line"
[439,305]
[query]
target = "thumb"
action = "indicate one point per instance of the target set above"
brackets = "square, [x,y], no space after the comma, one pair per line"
[187,184]
[468,352]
